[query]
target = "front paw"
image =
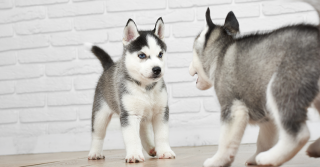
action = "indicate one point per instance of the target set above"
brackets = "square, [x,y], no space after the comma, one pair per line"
[152,152]
[95,155]
[217,161]
[267,159]
[251,161]
[166,154]
[134,157]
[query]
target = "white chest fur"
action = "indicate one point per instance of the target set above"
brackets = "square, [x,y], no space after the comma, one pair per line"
[142,102]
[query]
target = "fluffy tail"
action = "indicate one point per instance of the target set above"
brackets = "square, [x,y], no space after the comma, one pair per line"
[103,56]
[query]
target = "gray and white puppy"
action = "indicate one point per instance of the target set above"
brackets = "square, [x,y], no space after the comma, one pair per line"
[134,89]
[265,79]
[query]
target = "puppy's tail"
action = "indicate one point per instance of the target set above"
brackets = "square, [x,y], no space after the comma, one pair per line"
[103,56]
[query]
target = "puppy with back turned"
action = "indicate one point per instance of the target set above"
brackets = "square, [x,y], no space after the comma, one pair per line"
[267,79]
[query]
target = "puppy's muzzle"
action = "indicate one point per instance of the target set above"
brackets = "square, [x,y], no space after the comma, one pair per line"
[156,70]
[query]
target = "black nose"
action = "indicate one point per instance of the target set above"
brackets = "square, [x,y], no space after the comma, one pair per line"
[156,70]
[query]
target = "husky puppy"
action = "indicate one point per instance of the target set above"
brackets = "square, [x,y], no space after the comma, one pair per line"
[265,79]
[134,89]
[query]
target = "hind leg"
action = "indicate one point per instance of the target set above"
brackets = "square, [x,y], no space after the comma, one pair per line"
[268,137]
[100,120]
[293,131]
[231,134]
[314,149]
[147,139]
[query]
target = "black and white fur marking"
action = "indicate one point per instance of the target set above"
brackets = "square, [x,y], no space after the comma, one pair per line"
[134,89]
[265,79]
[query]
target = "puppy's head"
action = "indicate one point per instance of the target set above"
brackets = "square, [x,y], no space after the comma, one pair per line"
[208,44]
[144,52]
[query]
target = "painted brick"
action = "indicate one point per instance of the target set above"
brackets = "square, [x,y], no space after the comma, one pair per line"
[8,44]
[38,2]
[23,42]
[7,87]
[179,59]
[85,112]
[170,16]
[180,45]
[6,31]
[220,12]
[192,3]
[269,23]
[189,90]
[102,21]
[25,100]
[70,98]
[5,4]
[187,29]
[311,18]
[8,130]
[22,14]
[80,67]
[33,129]
[43,26]
[211,104]
[178,75]
[114,49]
[243,1]
[86,82]
[44,85]
[84,53]
[116,35]
[50,114]
[77,38]
[76,9]
[284,8]
[125,5]
[69,127]
[184,106]
[8,116]
[167,30]
[47,55]
[8,58]
[21,72]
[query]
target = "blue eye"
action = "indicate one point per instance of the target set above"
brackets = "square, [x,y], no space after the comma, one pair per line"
[160,55]
[142,56]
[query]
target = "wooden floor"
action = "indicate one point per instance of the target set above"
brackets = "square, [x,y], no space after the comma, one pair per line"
[186,157]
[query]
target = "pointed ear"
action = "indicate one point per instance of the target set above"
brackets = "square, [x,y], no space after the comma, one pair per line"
[208,18]
[159,28]
[130,32]
[231,25]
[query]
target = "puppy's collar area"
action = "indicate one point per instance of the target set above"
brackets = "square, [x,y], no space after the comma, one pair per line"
[147,87]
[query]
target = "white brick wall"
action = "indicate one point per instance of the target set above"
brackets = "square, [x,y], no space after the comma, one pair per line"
[47,79]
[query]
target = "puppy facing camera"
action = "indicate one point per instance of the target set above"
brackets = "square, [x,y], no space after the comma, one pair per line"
[133,87]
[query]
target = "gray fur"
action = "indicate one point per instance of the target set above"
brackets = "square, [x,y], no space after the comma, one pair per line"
[244,67]
[166,114]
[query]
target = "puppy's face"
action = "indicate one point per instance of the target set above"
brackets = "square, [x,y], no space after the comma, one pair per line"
[207,47]
[145,52]
[196,66]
